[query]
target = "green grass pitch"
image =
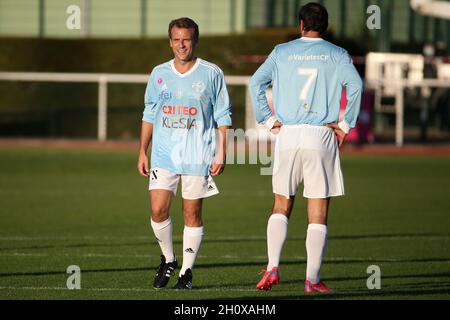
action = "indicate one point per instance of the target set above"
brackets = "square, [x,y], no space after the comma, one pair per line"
[61,207]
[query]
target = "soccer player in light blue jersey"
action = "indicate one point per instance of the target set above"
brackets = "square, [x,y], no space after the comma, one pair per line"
[307,75]
[185,101]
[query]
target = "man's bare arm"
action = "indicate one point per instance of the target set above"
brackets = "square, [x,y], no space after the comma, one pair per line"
[146,137]
[218,164]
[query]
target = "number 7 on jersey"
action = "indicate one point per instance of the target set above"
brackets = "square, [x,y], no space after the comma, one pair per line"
[312,75]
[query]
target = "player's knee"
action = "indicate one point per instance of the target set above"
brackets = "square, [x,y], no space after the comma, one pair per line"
[283,205]
[159,213]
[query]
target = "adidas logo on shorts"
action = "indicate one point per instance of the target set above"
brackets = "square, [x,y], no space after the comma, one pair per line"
[189,250]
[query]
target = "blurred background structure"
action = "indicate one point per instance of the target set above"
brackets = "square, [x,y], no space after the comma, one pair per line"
[130,37]
[402,25]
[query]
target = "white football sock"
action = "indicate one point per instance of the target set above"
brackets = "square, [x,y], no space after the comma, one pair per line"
[316,241]
[163,234]
[192,238]
[277,227]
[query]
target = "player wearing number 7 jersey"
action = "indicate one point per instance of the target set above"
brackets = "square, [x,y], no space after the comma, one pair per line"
[307,75]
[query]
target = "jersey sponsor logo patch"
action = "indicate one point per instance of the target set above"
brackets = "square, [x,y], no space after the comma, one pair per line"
[165,95]
[180,110]
[198,86]
[178,123]
[181,122]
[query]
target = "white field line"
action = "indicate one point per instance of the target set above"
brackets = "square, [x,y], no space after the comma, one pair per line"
[119,289]
[218,238]
[138,256]
[25,238]
[239,257]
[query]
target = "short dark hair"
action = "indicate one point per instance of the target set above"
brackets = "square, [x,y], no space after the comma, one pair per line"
[186,23]
[314,17]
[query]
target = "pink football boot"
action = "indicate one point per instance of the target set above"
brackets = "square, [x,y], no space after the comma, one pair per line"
[269,278]
[316,287]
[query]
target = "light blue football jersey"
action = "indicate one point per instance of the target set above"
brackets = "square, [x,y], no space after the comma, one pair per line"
[307,76]
[185,109]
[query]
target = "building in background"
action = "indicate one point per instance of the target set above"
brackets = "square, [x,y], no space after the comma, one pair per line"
[149,18]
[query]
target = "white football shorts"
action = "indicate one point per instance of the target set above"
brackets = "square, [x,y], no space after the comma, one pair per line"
[192,187]
[308,154]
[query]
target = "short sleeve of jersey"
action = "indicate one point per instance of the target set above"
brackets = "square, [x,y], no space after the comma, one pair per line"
[150,99]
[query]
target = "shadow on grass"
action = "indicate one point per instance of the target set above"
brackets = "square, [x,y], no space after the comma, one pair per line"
[224,265]
[78,245]
[303,261]
[48,273]
[149,268]
[226,240]
[299,282]
[360,294]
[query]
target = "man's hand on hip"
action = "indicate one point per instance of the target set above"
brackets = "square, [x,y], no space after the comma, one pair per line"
[340,135]
[276,127]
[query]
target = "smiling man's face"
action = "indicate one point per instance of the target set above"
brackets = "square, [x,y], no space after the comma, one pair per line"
[182,43]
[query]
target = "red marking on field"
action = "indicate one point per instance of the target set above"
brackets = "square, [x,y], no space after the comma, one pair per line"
[371,149]
[69,144]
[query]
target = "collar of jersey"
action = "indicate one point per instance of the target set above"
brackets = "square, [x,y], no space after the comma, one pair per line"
[310,39]
[182,75]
